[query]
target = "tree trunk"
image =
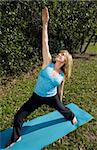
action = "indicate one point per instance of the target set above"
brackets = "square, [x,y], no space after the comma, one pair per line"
[82,43]
[88,43]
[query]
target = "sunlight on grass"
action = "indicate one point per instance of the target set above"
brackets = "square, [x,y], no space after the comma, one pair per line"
[92,48]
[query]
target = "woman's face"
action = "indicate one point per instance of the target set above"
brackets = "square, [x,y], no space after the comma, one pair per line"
[61,57]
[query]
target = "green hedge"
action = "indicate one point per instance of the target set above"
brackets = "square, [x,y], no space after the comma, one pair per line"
[21,26]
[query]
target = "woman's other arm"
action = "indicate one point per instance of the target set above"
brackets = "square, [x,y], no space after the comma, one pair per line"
[45,47]
[61,90]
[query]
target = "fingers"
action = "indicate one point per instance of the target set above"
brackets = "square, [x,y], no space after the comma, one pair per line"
[45,11]
[45,15]
[45,8]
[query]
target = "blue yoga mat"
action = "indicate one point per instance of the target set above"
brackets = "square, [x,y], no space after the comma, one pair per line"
[46,129]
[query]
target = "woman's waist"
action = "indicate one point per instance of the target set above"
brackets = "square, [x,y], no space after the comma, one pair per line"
[45,93]
[39,96]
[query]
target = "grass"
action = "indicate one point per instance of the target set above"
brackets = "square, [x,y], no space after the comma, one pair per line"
[92,48]
[81,89]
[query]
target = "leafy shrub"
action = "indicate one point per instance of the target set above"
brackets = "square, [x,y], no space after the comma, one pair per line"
[70,24]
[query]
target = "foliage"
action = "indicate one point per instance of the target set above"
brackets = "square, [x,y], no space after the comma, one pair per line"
[71,24]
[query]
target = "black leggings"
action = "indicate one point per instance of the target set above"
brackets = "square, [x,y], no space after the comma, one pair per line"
[34,102]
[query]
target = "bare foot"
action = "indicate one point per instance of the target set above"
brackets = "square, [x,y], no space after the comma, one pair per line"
[74,121]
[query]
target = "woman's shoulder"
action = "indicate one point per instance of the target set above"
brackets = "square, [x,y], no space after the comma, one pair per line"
[46,65]
[62,73]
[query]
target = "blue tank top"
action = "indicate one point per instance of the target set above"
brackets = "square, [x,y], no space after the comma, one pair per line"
[46,85]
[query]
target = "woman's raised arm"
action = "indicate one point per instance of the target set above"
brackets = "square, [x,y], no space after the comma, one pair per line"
[45,47]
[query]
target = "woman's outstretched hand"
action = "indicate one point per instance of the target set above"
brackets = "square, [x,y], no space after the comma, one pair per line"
[45,15]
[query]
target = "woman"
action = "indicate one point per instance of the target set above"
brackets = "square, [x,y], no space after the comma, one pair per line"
[49,87]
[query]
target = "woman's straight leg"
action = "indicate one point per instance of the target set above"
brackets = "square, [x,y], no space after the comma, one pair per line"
[28,107]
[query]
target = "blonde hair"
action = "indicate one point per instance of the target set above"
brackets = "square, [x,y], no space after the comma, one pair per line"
[67,68]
